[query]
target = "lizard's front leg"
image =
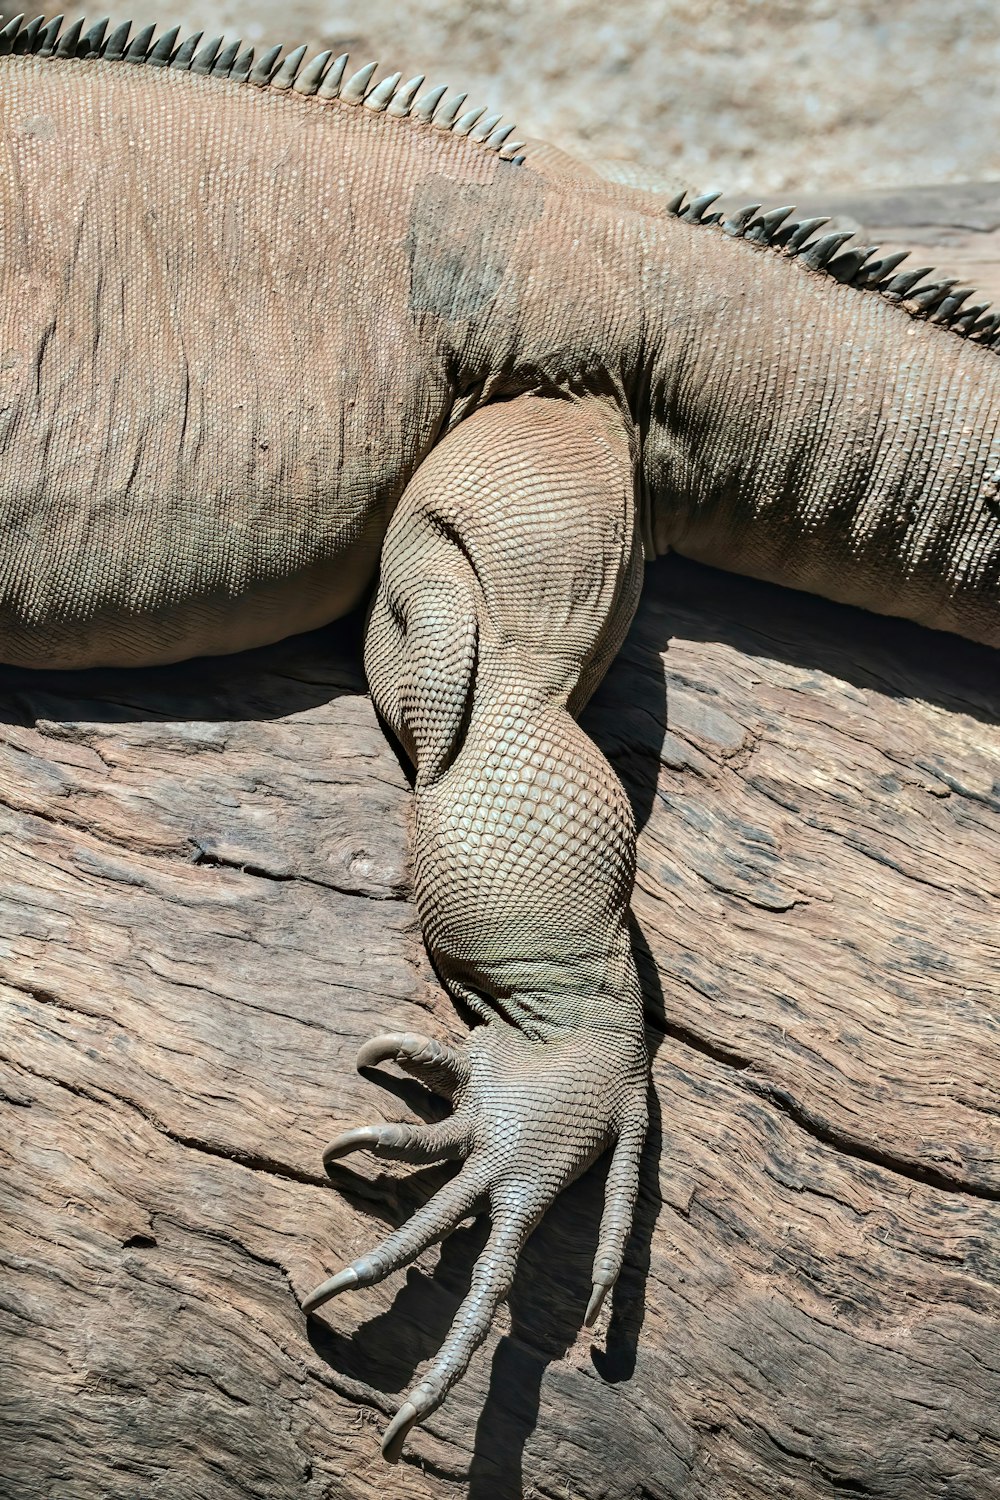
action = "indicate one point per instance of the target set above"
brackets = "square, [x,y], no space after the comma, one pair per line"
[509,576]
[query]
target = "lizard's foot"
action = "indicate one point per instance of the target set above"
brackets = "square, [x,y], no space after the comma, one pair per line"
[528,1118]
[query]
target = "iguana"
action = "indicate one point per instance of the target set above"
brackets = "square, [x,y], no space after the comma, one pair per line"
[273,331]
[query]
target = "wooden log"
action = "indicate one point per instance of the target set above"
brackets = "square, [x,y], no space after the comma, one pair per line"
[204,911]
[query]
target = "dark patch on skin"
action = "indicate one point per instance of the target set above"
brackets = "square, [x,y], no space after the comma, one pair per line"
[462,236]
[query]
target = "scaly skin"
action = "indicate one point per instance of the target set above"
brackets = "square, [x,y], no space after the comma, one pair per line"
[245,336]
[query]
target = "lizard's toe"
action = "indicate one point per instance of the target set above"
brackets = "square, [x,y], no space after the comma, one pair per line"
[433,1062]
[416,1144]
[429,1224]
[620,1194]
[491,1281]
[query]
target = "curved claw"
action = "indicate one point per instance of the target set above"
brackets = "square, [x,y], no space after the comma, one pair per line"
[327,1289]
[432,1061]
[595,1304]
[400,1427]
[620,1193]
[418,1144]
[361,1138]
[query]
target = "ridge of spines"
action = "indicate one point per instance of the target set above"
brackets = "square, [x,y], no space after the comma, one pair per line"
[323,77]
[940,301]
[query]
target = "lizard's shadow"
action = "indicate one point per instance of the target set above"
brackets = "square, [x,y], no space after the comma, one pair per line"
[295,675]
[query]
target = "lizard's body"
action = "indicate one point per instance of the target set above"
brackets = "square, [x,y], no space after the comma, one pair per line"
[247,337]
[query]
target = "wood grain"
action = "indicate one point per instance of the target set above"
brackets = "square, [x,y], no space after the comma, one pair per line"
[203,913]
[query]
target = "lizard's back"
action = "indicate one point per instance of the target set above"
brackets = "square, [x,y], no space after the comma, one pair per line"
[211,388]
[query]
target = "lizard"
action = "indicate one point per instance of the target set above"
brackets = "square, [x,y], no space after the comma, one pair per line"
[277,337]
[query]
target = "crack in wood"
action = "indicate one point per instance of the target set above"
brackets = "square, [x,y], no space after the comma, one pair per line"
[218,861]
[819,1129]
[253,1161]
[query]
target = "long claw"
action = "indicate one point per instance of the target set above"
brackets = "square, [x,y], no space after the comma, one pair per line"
[359,1139]
[433,1062]
[398,1431]
[418,1144]
[339,1283]
[595,1304]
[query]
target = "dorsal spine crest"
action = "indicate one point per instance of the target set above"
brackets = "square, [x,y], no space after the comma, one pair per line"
[320,77]
[940,301]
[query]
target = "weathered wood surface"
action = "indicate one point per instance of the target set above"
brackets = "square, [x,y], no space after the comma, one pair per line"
[203,913]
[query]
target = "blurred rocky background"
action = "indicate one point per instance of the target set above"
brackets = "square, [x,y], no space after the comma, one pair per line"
[738,94]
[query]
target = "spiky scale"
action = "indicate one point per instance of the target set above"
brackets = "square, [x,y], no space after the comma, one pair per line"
[799,236]
[484,129]
[497,137]
[310,78]
[949,307]
[185,52]
[8,34]
[424,108]
[93,40]
[354,89]
[822,250]
[205,59]
[27,38]
[223,65]
[114,47]
[969,318]
[763,231]
[49,36]
[136,50]
[676,203]
[740,219]
[334,76]
[242,66]
[260,73]
[928,297]
[402,100]
[160,56]
[287,73]
[468,120]
[878,270]
[983,332]
[70,40]
[380,95]
[507,151]
[844,268]
[696,208]
[447,116]
[900,285]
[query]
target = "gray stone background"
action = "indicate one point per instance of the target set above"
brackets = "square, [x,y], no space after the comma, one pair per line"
[735,94]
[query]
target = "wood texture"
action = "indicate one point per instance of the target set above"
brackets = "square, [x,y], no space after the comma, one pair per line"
[203,913]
